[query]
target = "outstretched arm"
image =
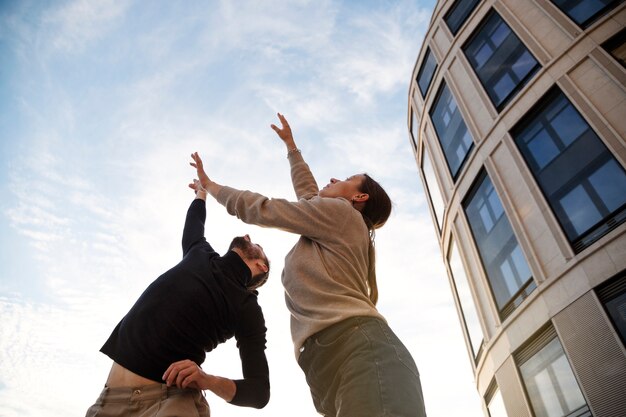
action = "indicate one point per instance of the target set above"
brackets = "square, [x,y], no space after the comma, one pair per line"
[203,183]
[187,374]
[302,179]
[285,134]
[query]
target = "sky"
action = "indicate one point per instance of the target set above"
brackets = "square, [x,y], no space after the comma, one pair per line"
[101,104]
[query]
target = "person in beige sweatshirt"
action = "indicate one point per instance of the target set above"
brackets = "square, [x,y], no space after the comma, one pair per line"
[354,363]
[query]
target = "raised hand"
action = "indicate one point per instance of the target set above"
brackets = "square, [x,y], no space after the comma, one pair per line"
[284,133]
[202,176]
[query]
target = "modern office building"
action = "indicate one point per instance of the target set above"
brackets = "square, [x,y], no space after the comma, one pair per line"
[517,119]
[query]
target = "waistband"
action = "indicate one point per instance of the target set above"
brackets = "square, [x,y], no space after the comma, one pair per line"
[142,393]
[335,330]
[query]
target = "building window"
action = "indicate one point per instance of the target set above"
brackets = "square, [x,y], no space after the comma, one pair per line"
[458,14]
[432,189]
[509,277]
[583,183]
[585,12]
[548,378]
[426,72]
[501,61]
[466,301]
[612,294]
[493,399]
[414,126]
[456,141]
[616,46]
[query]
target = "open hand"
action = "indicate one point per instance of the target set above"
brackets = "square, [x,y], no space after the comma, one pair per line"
[284,133]
[202,176]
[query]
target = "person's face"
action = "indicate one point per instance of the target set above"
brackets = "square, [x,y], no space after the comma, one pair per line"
[250,250]
[348,188]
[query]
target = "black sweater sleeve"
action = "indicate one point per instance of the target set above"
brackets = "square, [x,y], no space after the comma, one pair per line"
[193,232]
[254,389]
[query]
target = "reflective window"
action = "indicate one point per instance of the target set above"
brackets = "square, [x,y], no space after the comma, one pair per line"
[500,60]
[551,385]
[580,178]
[458,14]
[414,126]
[505,265]
[496,406]
[426,72]
[456,141]
[585,12]
[612,294]
[432,189]
[616,46]
[468,307]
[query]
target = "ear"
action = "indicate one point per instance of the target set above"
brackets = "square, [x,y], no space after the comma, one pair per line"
[360,198]
[261,265]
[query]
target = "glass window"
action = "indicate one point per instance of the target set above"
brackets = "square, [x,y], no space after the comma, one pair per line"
[500,59]
[432,189]
[414,126]
[506,268]
[456,141]
[458,14]
[585,12]
[613,297]
[580,178]
[616,46]
[468,307]
[496,405]
[550,383]
[617,311]
[426,72]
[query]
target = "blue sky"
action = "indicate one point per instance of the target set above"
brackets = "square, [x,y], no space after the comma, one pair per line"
[101,103]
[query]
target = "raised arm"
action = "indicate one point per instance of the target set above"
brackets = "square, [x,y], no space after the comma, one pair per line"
[193,232]
[304,183]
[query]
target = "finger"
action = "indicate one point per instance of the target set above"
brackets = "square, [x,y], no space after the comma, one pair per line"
[276,129]
[182,375]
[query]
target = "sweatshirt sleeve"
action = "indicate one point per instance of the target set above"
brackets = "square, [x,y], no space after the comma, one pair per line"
[304,183]
[316,218]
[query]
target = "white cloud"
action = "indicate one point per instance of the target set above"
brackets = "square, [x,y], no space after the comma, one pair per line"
[80,22]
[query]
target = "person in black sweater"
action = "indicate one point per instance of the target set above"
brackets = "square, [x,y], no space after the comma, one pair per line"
[206,299]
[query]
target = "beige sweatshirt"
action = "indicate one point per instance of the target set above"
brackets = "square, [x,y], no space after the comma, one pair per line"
[325,274]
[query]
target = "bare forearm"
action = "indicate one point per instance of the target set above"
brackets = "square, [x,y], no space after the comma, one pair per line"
[222,387]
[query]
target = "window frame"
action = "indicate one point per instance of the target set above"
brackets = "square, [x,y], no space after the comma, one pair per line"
[608,222]
[527,288]
[591,19]
[454,175]
[499,106]
[534,345]
[427,55]
[616,40]
[464,19]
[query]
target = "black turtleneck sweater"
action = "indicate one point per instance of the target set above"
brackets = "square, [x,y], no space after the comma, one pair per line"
[190,309]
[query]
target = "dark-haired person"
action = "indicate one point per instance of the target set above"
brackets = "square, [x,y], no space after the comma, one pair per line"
[353,362]
[159,345]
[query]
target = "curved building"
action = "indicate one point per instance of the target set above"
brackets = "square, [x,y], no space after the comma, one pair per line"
[517,119]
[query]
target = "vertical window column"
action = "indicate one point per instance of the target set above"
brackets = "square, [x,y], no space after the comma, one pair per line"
[456,141]
[583,183]
[550,383]
[501,61]
[469,313]
[506,268]
[426,72]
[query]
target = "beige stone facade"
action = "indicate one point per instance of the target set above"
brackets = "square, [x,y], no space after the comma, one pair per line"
[553,330]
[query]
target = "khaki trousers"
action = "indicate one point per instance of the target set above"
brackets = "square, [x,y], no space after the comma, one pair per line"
[154,400]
